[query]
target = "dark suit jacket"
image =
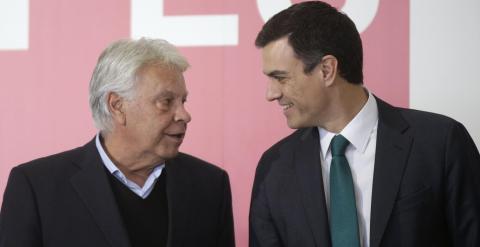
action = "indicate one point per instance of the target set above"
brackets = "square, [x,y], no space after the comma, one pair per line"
[66,200]
[426,186]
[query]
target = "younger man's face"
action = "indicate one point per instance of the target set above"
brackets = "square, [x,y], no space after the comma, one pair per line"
[303,97]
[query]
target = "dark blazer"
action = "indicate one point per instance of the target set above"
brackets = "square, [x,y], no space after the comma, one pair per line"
[66,200]
[426,186]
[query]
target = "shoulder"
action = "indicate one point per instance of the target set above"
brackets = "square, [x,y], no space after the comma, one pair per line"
[439,130]
[431,133]
[277,157]
[49,168]
[416,122]
[198,176]
[418,118]
[52,161]
[286,144]
[431,126]
[187,163]
[46,178]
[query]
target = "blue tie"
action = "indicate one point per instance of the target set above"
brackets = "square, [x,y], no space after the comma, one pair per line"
[343,211]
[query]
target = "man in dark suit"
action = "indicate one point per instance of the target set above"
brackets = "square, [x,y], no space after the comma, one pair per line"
[358,171]
[129,186]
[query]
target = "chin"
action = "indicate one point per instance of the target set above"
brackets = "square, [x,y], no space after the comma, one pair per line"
[172,154]
[298,125]
[292,124]
[168,154]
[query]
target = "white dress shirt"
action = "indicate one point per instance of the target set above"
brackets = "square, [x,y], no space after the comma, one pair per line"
[361,132]
[144,191]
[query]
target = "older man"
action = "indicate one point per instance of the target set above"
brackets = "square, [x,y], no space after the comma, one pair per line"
[358,171]
[129,186]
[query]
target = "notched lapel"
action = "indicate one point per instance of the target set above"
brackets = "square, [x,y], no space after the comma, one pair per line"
[309,176]
[391,155]
[91,184]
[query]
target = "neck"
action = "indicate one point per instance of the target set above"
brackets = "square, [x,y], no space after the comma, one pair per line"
[135,165]
[347,101]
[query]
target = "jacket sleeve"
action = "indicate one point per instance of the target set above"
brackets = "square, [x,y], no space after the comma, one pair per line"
[262,230]
[19,219]
[227,235]
[462,190]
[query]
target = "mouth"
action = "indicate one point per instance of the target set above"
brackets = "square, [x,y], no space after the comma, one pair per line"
[285,107]
[176,136]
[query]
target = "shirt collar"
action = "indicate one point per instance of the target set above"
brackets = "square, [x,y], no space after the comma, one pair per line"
[113,169]
[357,131]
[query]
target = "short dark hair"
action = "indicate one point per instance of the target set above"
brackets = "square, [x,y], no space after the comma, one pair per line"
[316,29]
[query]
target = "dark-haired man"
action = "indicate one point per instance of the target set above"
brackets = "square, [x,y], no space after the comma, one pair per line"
[358,171]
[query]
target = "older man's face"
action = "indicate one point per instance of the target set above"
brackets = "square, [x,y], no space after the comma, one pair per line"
[156,118]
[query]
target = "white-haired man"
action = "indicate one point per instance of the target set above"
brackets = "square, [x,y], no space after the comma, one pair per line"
[129,186]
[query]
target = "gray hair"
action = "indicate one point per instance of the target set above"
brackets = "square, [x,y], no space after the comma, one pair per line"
[117,68]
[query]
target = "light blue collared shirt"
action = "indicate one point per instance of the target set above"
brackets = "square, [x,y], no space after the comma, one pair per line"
[147,188]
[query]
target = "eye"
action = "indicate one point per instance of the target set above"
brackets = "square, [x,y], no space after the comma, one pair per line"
[164,102]
[280,79]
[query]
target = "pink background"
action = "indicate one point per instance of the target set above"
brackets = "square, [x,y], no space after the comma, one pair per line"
[44,90]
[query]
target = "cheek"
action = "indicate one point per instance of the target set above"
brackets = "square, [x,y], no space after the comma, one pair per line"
[313,97]
[293,91]
[299,92]
[144,123]
[151,119]
[160,122]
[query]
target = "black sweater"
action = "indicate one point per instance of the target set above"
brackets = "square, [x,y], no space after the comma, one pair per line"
[146,220]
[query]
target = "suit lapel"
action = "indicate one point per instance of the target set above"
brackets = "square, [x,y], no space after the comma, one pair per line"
[92,186]
[309,176]
[392,150]
[178,197]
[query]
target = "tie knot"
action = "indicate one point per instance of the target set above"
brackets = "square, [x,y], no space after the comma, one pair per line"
[338,145]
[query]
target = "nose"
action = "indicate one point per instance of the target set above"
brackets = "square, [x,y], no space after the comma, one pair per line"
[273,91]
[182,114]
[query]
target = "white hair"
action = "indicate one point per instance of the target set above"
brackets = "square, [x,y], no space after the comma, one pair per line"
[117,68]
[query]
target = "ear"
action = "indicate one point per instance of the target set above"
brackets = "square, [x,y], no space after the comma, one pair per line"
[116,106]
[328,67]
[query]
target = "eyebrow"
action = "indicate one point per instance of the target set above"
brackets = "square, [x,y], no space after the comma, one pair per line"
[171,94]
[165,94]
[276,73]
